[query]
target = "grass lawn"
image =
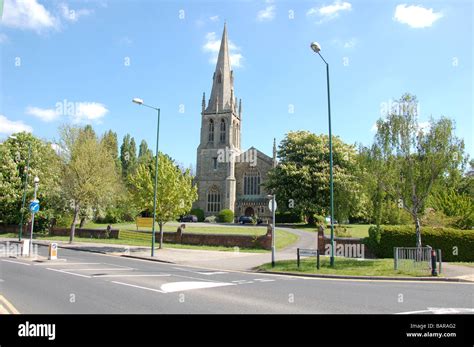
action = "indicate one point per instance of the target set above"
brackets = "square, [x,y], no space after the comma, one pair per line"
[355,230]
[343,266]
[130,238]
[190,228]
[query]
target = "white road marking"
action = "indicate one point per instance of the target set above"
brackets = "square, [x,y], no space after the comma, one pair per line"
[70,273]
[64,264]
[15,262]
[242,282]
[140,287]
[98,269]
[211,273]
[441,310]
[182,286]
[263,280]
[125,267]
[163,275]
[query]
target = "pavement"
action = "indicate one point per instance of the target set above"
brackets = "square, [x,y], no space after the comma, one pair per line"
[236,260]
[88,282]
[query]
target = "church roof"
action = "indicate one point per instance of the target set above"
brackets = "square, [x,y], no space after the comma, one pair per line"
[222,93]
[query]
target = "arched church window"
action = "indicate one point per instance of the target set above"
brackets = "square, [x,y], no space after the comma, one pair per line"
[252,183]
[222,135]
[213,200]
[211,131]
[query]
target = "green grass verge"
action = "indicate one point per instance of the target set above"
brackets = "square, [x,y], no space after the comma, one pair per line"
[343,266]
[190,228]
[355,230]
[130,238]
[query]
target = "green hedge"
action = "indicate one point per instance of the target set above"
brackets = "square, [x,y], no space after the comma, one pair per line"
[288,217]
[383,239]
[225,216]
[199,213]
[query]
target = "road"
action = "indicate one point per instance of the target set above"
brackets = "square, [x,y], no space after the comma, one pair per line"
[85,282]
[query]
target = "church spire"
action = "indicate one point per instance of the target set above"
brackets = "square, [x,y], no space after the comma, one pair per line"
[223,81]
[274,153]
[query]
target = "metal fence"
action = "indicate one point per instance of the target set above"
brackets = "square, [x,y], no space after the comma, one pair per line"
[414,259]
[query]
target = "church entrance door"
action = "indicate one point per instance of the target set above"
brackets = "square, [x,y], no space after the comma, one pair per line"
[249,212]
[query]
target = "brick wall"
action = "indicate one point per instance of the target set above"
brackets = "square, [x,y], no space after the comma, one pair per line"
[351,247]
[89,233]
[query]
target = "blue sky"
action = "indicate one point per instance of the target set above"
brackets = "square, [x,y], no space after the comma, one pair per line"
[93,57]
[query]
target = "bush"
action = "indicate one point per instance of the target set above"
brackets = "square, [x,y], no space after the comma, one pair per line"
[225,216]
[453,204]
[340,231]
[210,219]
[199,213]
[455,244]
[288,217]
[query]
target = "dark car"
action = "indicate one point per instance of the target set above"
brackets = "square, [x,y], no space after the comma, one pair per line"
[245,220]
[190,218]
[249,220]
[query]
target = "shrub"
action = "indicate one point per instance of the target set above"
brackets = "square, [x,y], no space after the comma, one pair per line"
[340,231]
[455,244]
[210,219]
[225,216]
[199,213]
[288,217]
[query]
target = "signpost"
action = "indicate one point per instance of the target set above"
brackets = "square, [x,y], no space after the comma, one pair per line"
[34,206]
[305,252]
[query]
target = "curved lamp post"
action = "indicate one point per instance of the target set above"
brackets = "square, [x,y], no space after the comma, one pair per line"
[140,102]
[317,49]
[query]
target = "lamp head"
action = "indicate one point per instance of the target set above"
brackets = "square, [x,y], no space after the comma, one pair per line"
[36,180]
[137,101]
[315,47]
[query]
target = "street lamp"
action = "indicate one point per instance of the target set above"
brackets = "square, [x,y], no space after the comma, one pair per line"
[140,102]
[273,197]
[36,181]
[317,49]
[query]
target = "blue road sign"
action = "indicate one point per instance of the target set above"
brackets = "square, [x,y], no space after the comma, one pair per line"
[34,206]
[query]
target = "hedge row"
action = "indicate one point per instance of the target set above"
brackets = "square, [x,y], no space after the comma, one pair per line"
[455,244]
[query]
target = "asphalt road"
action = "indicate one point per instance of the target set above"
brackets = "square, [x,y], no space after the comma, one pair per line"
[85,282]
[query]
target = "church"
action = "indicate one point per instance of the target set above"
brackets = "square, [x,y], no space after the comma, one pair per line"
[226,177]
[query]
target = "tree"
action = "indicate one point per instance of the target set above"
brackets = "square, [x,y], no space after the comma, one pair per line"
[89,176]
[128,155]
[175,191]
[410,159]
[109,140]
[301,180]
[145,155]
[44,163]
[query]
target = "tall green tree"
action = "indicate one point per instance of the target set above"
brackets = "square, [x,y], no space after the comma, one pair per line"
[301,180]
[145,155]
[89,177]
[128,155]
[410,159]
[175,191]
[44,163]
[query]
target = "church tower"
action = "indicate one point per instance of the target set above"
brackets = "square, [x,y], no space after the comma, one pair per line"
[220,139]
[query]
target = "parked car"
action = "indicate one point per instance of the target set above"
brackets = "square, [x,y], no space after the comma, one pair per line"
[190,218]
[249,220]
[245,220]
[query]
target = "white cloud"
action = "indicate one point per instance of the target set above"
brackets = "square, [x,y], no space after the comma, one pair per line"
[212,46]
[72,15]
[330,11]
[416,16]
[28,15]
[8,127]
[351,43]
[89,111]
[45,114]
[214,18]
[267,14]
